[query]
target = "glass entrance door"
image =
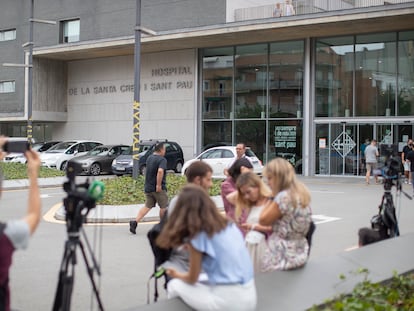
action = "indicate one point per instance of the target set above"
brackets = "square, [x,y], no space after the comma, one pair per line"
[340,147]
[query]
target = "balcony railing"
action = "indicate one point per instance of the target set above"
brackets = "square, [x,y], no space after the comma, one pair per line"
[304,7]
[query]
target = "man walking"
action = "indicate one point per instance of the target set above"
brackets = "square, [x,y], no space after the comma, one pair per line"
[371,154]
[155,186]
[410,159]
[406,161]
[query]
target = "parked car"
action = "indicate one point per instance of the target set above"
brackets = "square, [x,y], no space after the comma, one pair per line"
[39,147]
[219,159]
[44,146]
[58,155]
[174,154]
[17,156]
[99,159]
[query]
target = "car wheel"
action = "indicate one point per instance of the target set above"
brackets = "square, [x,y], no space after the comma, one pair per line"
[95,169]
[178,167]
[143,170]
[63,166]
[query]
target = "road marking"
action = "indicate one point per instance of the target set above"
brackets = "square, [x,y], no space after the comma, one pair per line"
[322,219]
[328,192]
[50,215]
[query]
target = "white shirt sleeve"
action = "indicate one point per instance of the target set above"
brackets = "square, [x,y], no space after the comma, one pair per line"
[18,233]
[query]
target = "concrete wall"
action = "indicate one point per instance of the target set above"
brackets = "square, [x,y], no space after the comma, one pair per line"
[49,90]
[100,99]
[12,104]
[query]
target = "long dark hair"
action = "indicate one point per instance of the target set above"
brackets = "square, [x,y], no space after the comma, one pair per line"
[193,213]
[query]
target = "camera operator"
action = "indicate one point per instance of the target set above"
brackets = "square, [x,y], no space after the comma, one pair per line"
[410,157]
[407,171]
[14,234]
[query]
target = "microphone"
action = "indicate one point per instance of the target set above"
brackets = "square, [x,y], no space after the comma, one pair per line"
[96,190]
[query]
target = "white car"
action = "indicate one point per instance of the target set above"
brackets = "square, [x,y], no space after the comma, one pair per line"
[219,158]
[59,155]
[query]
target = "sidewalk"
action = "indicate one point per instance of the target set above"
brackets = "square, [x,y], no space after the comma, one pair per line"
[125,213]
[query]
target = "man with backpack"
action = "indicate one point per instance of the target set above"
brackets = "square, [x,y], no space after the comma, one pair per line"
[14,234]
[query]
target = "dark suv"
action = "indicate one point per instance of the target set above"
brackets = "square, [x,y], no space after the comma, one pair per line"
[174,155]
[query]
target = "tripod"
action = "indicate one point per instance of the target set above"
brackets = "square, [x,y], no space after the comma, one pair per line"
[67,273]
[387,207]
[77,205]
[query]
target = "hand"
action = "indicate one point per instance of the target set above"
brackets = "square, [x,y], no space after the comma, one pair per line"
[172,273]
[158,188]
[246,226]
[3,140]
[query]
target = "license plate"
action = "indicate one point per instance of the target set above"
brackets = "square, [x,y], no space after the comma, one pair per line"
[120,168]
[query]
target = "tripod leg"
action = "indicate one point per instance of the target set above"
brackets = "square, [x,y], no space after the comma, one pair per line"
[90,273]
[65,282]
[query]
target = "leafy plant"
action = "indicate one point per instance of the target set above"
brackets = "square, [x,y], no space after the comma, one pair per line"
[118,191]
[392,295]
[19,171]
[126,190]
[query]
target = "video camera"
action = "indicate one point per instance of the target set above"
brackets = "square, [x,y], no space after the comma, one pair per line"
[392,168]
[81,198]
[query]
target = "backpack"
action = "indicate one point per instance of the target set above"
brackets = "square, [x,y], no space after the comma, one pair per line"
[161,255]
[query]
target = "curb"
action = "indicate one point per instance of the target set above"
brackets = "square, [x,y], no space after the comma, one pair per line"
[123,213]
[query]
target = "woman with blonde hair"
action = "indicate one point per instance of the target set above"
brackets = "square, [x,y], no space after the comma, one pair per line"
[216,246]
[252,196]
[290,217]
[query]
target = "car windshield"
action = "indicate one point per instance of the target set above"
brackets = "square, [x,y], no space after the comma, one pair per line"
[61,147]
[98,151]
[141,148]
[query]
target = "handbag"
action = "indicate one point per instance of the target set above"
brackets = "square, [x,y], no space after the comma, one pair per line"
[254,237]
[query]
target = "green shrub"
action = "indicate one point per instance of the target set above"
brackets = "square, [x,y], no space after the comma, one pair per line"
[392,295]
[126,190]
[19,171]
[118,191]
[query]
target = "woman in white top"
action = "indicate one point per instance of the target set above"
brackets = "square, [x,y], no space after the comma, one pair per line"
[290,10]
[252,196]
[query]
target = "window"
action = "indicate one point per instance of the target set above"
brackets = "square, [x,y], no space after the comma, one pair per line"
[7,86]
[7,35]
[70,30]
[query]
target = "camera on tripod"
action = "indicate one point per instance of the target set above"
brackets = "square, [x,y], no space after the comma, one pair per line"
[80,199]
[391,173]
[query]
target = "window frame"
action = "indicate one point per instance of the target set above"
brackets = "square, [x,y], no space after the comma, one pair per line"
[3,33]
[2,82]
[66,38]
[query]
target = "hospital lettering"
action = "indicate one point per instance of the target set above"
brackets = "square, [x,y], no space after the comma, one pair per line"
[171,71]
[166,79]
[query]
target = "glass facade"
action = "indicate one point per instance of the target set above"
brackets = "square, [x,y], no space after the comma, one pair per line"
[253,94]
[362,88]
[363,91]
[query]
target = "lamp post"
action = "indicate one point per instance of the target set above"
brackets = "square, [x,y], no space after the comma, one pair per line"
[137,88]
[30,76]
[137,82]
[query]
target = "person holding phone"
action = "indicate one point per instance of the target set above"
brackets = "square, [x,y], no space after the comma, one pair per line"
[14,234]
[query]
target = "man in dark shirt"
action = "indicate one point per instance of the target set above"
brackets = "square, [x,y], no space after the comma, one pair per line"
[410,157]
[14,234]
[405,162]
[155,186]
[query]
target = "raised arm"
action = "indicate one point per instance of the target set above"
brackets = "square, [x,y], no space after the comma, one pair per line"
[34,205]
